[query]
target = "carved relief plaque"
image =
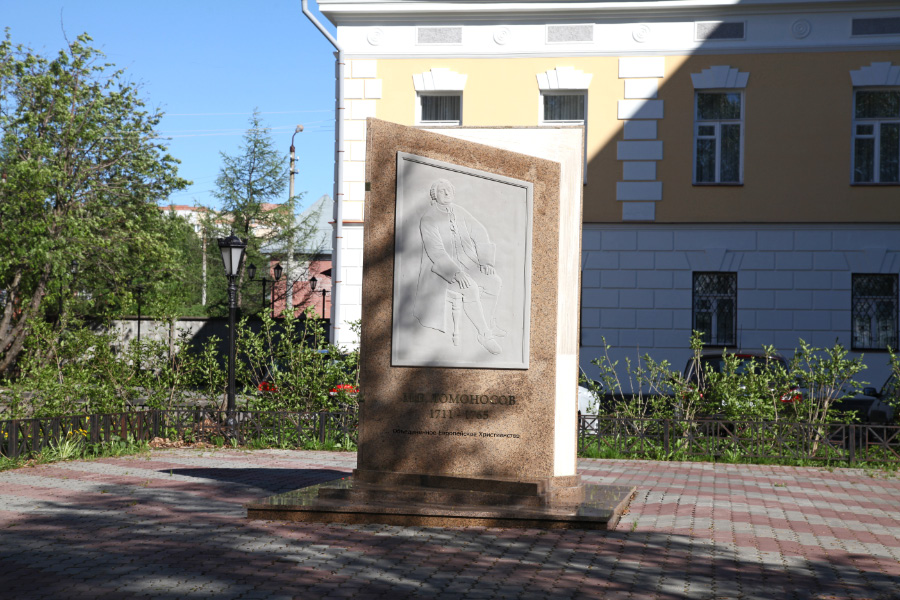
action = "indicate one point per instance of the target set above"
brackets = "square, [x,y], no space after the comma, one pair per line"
[462,267]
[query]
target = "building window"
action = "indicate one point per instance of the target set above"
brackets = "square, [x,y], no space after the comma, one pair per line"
[718,137]
[874,308]
[439,109]
[876,136]
[715,307]
[562,107]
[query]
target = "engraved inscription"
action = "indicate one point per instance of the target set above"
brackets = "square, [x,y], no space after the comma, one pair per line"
[474,434]
[482,399]
[462,267]
[442,413]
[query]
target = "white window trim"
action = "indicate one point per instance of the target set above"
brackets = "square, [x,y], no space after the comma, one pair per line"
[582,122]
[876,135]
[419,95]
[718,137]
[545,93]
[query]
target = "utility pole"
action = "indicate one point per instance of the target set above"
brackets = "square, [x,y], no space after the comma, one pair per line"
[289,292]
[203,289]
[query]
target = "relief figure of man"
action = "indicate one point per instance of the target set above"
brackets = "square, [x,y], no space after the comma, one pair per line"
[457,263]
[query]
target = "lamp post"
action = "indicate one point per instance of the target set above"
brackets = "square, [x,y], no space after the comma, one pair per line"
[232,249]
[278,270]
[289,291]
[139,292]
[312,285]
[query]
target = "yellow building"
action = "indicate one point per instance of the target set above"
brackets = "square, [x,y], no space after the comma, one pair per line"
[742,157]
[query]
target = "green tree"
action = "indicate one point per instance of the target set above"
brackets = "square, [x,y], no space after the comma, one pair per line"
[180,293]
[83,171]
[249,186]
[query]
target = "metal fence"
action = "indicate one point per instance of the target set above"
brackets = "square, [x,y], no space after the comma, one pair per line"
[659,439]
[710,439]
[24,437]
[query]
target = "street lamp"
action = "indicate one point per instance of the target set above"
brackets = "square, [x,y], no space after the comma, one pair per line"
[312,285]
[251,270]
[232,249]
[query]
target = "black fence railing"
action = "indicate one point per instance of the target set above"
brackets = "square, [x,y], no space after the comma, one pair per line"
[667,439]
[660,439]
[25,437]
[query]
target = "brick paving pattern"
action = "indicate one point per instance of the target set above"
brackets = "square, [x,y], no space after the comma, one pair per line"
[170,525]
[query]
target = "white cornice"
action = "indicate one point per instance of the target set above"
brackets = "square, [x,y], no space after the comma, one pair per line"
[347,11]
[620,53]
[637,34]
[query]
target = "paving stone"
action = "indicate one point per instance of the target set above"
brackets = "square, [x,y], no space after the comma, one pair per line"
[172,526]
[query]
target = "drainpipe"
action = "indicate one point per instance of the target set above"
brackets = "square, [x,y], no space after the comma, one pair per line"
[338,235]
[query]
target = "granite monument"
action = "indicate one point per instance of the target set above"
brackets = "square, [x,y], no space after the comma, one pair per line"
[469,337]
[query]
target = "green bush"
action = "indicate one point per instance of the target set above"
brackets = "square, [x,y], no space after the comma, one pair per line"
[83,371]
[806,391]
[288,366]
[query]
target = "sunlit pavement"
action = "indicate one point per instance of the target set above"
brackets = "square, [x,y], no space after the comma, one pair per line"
[170,525]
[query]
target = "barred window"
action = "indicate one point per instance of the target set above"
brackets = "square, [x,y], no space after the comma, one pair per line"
[874,308]
[715,307]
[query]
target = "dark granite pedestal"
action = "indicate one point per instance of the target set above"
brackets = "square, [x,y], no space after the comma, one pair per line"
[447,502]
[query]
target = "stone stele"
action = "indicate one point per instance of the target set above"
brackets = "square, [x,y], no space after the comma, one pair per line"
[469,340]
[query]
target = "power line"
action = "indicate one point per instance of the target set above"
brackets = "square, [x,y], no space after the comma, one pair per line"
[222,114]
[312,125]
[192,135]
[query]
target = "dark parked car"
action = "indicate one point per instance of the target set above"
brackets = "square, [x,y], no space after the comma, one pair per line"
[874,406]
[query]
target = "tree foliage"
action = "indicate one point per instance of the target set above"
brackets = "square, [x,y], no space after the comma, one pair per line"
[250,184]
[84,169]
[251,188]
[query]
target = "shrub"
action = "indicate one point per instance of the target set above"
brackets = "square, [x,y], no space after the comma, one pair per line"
[83,371]
[759,390]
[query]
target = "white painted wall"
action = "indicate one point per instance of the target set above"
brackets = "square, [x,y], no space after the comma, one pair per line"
[793,282]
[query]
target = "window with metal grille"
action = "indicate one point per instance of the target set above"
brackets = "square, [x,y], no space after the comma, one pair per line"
[874,309]
[715,307]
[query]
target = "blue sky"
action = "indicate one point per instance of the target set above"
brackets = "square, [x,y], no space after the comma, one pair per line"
[207,64]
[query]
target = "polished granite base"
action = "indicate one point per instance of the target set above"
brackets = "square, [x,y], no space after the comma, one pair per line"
[353,501]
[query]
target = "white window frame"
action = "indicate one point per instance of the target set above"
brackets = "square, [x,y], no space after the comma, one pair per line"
[582,122]
[545,93]
[876,123]
[717,124]
[419,96]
